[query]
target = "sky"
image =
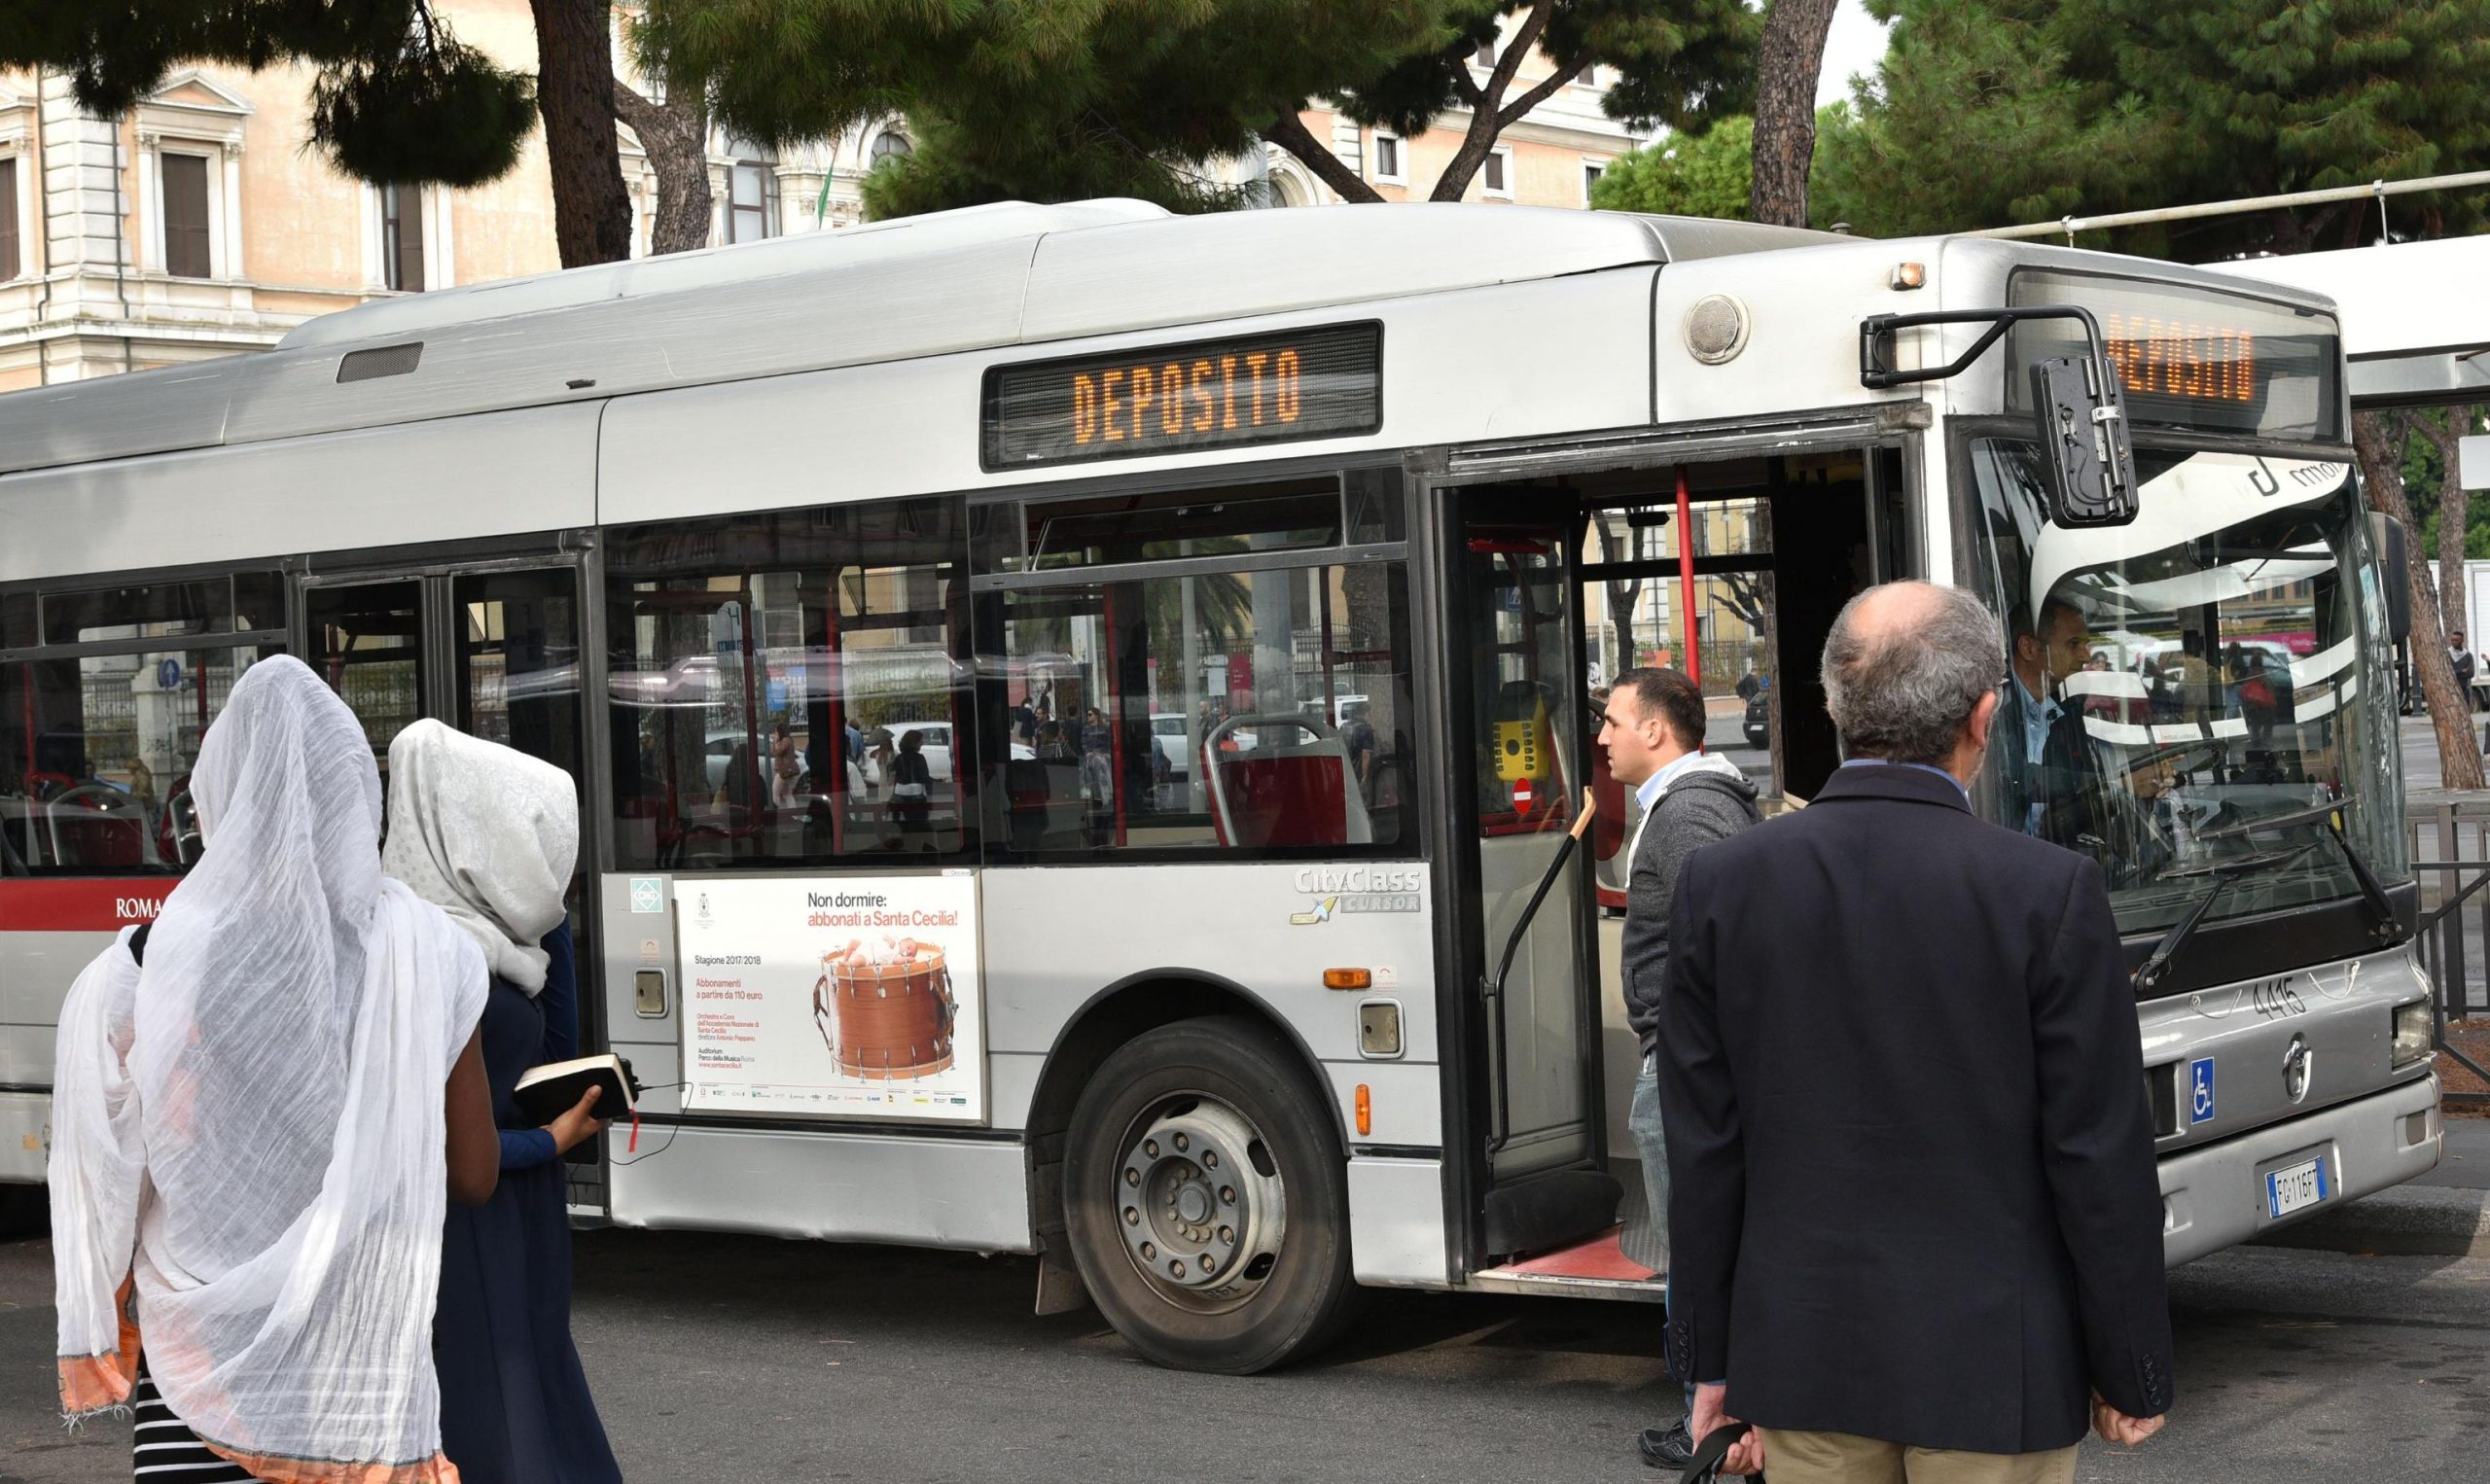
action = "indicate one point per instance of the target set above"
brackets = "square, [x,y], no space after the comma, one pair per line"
[1857,45]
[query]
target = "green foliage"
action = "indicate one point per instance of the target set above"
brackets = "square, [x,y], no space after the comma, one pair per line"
[1054,99]
[447,113]
[396,98]
[1992,112]
[1701,175]
[1043,99]
[2424,470]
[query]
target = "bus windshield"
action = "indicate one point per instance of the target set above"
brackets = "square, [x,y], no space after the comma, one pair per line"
[2173,682]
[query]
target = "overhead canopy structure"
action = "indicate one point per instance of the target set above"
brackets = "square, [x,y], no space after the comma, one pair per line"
[2416,315]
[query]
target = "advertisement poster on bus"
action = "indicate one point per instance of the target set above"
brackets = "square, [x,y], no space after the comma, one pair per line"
[856,998]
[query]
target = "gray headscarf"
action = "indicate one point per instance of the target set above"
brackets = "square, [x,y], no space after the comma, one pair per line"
[487,834]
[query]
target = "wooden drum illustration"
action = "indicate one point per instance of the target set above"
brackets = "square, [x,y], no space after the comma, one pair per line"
[885,1010]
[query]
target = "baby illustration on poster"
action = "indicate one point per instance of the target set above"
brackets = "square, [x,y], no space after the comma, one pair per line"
[852,998]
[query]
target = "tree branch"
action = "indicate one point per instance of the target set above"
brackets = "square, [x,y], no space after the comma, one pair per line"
[1533,26]
[675,136]
[2379,443]
[1515,110]
[1290,133]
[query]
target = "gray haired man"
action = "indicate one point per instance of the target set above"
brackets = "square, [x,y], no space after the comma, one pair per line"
[1917,1221]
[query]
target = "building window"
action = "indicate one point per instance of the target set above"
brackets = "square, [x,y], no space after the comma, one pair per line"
[752,211]
[10,262]
[186,229]
[402,238]
[1590,178]
[1387,156]
[1496,179]
[1485,56]
[889,144]
[1588,77]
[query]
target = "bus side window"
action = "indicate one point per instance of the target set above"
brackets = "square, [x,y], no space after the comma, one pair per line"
[784,686]
[95,755]
[1237,711]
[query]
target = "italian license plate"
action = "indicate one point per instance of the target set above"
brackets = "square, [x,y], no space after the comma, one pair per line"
[2296,1189]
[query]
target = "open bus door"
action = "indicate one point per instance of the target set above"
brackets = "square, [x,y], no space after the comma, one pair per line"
[1517,700]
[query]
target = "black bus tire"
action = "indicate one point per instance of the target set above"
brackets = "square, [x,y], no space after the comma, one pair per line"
[1188,1072]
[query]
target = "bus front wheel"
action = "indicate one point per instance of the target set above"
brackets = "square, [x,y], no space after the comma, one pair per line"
[1205,1199]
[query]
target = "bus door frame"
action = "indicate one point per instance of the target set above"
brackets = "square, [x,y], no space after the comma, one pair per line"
[1436,476]
[435,571]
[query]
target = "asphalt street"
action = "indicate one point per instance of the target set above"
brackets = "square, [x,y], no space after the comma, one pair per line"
[747,1358]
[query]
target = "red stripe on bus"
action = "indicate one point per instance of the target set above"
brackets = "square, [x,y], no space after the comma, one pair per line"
[79,905]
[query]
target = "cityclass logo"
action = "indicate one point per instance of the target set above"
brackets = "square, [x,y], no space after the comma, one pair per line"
[1359,888]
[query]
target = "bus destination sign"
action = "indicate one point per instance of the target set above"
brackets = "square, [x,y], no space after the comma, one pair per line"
[1323,382]
[2180,358]
[2191,356]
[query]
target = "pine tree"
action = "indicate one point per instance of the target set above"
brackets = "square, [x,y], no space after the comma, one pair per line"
[1053,99]
[1790,57]
[1992,112]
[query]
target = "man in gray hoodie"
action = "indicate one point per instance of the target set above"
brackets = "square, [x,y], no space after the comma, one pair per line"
[1653,733]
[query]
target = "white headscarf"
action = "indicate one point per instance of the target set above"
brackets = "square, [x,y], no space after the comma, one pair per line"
[488,834]
[248,1141]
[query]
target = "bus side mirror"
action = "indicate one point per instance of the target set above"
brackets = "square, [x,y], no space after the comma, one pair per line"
[2086,459]
[2395,577]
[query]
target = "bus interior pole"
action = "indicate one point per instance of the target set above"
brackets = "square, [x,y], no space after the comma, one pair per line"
[1685,579]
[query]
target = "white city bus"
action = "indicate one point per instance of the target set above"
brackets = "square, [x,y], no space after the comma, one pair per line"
[1022,492]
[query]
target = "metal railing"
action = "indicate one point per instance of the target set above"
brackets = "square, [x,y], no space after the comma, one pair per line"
[2448,831]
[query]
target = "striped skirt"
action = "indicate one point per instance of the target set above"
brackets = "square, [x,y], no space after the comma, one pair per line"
[164,1451]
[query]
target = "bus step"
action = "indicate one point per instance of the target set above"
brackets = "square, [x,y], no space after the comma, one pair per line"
[1596,1268]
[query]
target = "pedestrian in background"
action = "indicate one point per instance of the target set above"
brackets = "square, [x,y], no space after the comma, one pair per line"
[1916,1220]
[260,1101]
[489,835]
[1653,727]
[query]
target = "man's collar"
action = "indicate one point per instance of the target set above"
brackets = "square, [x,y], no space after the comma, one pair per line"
[1648,793]
[2035,704]
[1881,778]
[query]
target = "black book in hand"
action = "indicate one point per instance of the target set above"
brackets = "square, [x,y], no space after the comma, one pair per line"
[546,1093]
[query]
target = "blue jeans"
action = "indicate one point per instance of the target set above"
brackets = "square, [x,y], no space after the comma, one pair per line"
[1644,1122]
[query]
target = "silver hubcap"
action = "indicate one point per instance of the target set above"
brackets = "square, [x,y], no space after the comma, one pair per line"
[1199,1203]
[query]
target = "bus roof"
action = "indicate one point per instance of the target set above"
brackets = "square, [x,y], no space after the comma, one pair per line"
[1006,274]
[2411,314]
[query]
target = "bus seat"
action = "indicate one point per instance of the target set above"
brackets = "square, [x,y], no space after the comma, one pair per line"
[98,826]
[1284,792]
[177,832]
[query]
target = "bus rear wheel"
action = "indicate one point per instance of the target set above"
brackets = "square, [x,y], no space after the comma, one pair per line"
[1205,1199]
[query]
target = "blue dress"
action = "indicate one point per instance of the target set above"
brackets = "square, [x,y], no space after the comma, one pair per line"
[515,1404]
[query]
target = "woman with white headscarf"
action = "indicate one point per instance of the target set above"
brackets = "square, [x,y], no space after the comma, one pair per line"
[489,835]
[260,1104]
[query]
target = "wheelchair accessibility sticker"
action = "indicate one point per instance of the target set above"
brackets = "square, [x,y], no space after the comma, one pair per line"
[2200,1089]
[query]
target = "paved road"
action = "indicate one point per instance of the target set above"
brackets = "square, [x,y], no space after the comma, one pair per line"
[744,1359]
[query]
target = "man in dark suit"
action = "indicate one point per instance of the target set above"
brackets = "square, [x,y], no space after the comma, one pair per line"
[1915,1219]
